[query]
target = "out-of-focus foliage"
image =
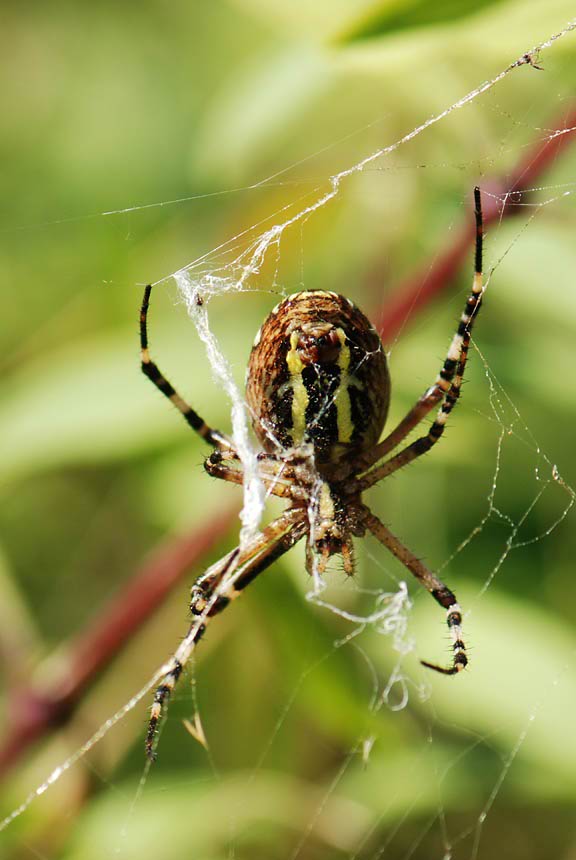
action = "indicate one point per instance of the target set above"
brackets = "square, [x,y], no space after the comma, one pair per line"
[136,138]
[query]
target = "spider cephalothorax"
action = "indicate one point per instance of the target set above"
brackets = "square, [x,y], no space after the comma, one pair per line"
[318,390]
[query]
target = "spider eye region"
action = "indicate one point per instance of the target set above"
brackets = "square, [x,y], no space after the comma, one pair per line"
[318,374]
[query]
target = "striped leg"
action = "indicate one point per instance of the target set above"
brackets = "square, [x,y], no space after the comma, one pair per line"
[431,583]
[447,386]
[213,437]
[278,477]
[217,588]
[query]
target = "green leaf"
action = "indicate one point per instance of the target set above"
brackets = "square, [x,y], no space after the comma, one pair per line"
[411,14]
[521,681]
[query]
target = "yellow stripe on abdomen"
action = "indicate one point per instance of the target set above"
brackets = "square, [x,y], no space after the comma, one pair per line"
[299,394]
[342,398]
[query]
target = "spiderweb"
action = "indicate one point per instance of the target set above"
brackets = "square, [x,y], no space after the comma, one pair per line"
[368,806]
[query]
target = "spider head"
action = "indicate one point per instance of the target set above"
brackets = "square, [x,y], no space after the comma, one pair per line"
[332,525]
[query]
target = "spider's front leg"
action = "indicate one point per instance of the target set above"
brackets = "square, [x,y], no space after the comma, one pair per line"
[431,583]
[217,588]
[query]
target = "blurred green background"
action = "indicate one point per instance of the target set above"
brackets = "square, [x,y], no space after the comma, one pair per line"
[135,138]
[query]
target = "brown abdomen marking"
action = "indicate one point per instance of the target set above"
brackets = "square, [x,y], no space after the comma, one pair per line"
[318,374]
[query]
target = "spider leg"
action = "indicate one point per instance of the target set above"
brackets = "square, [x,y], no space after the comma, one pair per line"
[431,583]
[215,589]
[348,559]
[446,387]
[277,476]
[151,370]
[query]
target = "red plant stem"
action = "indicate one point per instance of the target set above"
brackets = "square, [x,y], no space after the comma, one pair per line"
[498,202]
[35,710]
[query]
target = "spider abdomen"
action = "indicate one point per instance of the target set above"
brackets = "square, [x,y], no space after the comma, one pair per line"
[318,374]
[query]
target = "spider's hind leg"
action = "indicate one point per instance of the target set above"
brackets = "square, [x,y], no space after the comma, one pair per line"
[155,375]
[446,389]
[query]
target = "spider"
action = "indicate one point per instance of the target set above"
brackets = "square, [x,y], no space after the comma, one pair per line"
[318,390]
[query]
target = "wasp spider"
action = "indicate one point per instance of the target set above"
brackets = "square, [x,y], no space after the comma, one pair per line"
[318,390]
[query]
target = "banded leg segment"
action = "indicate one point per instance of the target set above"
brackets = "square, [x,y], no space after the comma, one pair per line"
[215,590]
[278,477]
[431,583]
[154,374]
[447,386]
